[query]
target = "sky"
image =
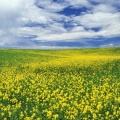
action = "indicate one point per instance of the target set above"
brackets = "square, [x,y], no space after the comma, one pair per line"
[59,23]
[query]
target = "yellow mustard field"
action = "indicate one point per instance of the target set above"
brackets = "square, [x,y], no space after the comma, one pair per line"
[78,84]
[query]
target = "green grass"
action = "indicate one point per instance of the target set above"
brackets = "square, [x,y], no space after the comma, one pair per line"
[70,84]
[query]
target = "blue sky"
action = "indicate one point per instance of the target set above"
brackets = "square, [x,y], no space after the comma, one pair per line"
[59,23]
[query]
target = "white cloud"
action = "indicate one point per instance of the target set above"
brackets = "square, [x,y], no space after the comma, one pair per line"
[111,2]
[110,31]
[49,5]
[78,29]
[1,32]
[14,14]
[105,8]
[107,45]
[10,15]
[68,36]
[43,47]
[10,5]
[79,3]
[98,19]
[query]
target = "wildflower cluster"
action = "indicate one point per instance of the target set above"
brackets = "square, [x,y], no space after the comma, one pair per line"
[59,85]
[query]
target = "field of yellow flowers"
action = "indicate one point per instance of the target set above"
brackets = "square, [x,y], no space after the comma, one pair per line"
[79,84]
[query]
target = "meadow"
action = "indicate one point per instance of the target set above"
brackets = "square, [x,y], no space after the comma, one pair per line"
[75,84]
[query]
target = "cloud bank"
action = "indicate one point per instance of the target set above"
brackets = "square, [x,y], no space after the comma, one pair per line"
[39,23]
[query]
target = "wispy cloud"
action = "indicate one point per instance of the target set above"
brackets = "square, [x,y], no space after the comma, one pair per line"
[24,23]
